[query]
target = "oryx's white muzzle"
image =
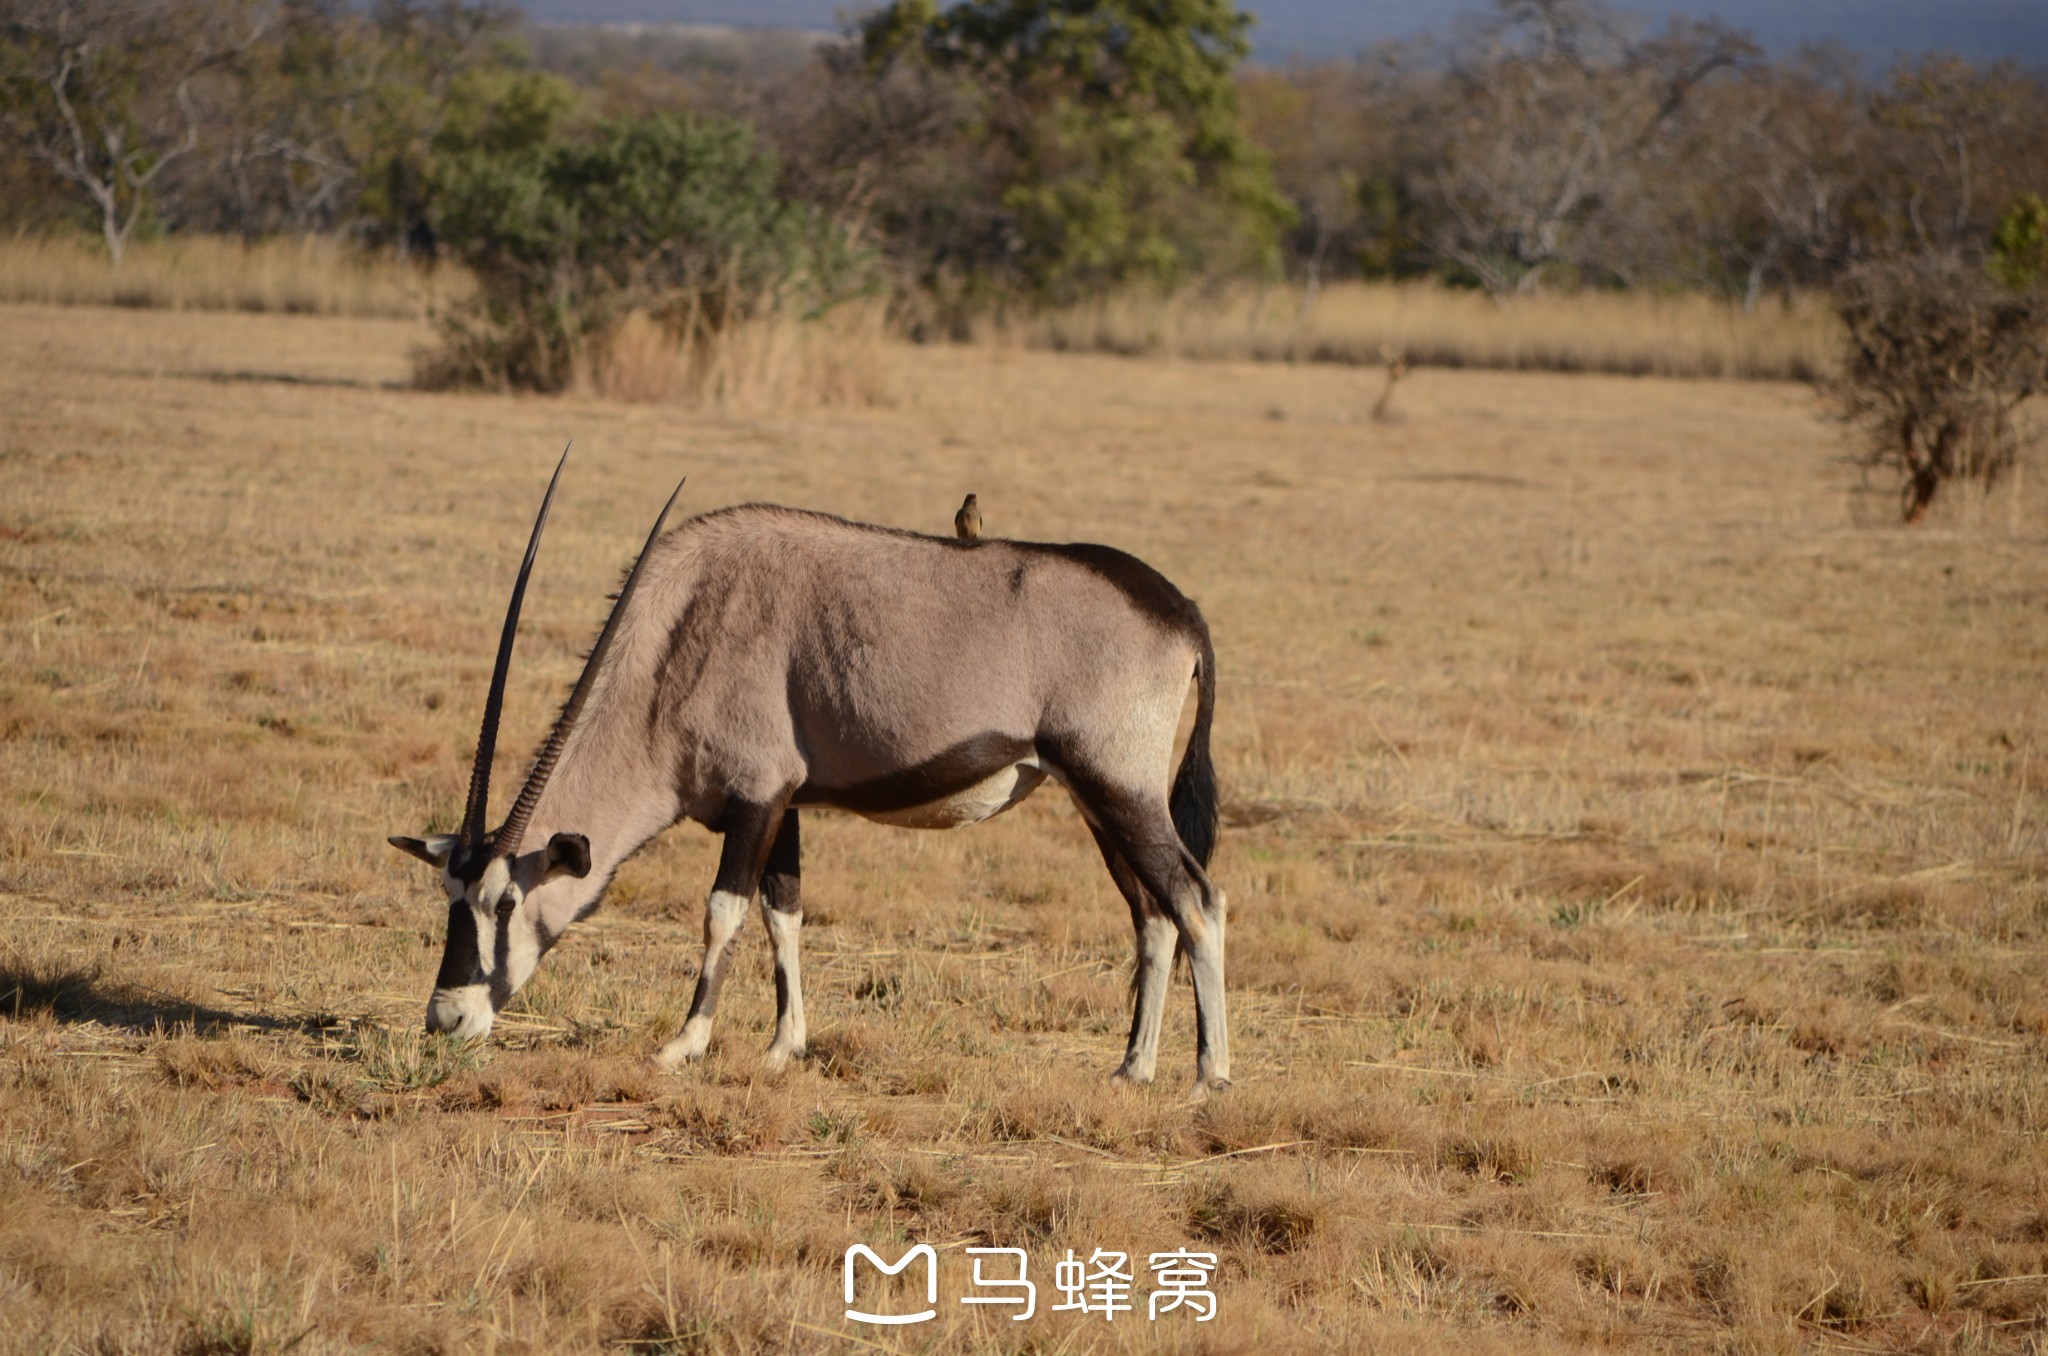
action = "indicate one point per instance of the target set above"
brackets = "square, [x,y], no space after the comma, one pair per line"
[463,1012]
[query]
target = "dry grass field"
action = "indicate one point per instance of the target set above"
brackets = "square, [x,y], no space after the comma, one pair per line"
[1637,851]
[1634,333]
[308,275]
[1631,333]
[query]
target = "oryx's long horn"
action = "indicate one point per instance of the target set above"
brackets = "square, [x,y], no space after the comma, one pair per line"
[506,839]
[474,813]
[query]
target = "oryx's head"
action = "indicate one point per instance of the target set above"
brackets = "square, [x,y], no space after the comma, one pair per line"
[494,938]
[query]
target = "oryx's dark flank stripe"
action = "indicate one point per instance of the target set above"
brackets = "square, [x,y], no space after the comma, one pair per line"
[943,775]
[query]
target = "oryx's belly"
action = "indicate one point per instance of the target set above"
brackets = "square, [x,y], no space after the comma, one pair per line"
[990,796]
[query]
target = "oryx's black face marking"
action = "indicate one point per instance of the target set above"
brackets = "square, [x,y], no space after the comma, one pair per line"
[477,976]
[460,963]
[475,956]
[495,934]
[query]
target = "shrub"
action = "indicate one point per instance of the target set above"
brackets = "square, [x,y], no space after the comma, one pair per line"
[1939,355]
[669,217]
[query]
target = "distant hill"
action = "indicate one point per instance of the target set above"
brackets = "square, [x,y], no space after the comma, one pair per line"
[1320,30]
[1983,30]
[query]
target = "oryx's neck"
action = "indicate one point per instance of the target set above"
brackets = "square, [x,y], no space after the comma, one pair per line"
[609,786]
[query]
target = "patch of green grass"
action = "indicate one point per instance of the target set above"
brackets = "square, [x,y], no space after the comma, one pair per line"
[408,1059]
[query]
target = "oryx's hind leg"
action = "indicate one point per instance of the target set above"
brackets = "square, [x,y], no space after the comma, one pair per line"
[750,831]
[1156,934]
[783,911]
[1142,832]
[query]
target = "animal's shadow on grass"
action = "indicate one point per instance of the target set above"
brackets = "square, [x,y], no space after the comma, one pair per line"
[300,379]
[238,376]
[80,995]
[1466,478]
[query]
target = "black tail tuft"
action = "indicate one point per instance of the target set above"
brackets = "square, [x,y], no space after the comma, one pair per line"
[1193,802]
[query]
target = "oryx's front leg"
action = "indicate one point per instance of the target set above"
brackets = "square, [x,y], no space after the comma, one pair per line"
[783,911]
[750,830]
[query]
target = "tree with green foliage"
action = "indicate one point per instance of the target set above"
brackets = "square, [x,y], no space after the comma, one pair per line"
[106,96]
[335,113]
[2019,247]
[1104,135]
[417,77]
[1333,133]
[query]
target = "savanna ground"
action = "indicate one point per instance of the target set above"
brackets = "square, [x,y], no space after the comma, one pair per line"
[1635,845]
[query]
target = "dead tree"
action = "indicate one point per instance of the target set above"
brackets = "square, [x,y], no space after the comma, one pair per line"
[1938,358]
[1397,368]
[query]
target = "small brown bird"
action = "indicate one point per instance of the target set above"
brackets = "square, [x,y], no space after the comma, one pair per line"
[967,522]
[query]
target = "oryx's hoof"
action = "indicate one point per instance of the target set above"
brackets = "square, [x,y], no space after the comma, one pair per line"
[778,1058]
[678,1052]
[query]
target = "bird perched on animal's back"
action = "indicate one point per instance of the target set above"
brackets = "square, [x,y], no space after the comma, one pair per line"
[967,522]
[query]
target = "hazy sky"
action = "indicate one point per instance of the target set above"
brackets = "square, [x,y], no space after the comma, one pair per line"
[1323,29]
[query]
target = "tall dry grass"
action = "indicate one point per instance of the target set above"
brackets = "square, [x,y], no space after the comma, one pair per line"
[756,365]
[763,364]
[1351,323]
[310,275]
[1639,878]
[1627,333]
[759,364]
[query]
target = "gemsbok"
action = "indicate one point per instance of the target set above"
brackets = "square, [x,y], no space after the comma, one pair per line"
[759,661]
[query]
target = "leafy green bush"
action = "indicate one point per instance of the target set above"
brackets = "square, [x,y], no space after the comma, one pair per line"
[569,233]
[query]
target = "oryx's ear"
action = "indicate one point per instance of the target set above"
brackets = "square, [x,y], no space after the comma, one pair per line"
[435,848]
[567,854]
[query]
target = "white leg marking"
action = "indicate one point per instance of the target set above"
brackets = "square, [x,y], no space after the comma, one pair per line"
[785,929]
[1206,961]
[722,918]
[1155,968]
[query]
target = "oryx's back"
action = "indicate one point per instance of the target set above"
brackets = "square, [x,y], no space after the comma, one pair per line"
[896,625]
[863,650]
